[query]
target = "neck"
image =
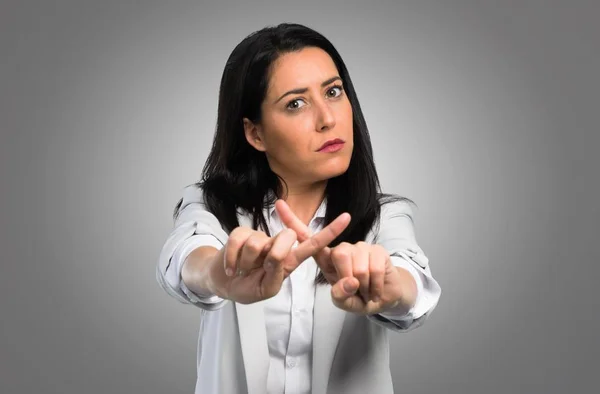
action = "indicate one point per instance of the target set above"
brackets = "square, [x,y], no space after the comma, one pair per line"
[305,199]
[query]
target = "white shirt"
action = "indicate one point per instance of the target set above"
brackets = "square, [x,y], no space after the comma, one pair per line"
[289,314]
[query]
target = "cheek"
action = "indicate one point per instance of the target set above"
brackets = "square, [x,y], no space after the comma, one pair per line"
[343,115]
[347,114]
[289,135]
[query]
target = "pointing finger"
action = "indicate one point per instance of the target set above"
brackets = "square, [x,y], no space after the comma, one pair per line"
[290,220]
[314,244]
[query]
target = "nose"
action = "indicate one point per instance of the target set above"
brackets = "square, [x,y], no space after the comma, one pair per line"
[325,117]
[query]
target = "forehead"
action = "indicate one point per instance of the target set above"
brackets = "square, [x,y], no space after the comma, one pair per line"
[301,69]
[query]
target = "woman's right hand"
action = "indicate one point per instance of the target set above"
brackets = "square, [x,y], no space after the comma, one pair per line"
[258,264]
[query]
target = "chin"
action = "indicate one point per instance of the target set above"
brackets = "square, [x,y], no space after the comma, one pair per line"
[331,171]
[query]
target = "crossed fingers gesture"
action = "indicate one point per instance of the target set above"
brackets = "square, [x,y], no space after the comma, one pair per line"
[251,266]
[362,276]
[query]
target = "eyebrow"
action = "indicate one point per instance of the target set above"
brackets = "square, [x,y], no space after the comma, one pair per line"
[303,90]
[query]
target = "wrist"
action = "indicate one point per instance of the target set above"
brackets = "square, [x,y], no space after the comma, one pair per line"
[196,272]
[409,290]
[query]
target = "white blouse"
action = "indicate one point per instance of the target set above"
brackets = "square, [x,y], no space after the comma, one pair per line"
[289,314]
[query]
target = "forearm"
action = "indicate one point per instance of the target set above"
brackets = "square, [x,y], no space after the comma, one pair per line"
[195,272]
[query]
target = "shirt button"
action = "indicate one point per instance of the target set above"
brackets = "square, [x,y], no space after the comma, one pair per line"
[291,363]
[297,311]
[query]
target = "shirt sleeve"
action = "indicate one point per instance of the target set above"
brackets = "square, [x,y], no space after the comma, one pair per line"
[397,235]
[194,226]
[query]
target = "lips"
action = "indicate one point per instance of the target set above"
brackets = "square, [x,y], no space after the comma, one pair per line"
[331,142]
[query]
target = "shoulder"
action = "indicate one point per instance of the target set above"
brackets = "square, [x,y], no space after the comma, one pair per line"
[396,213]
[192,193]
[393,205]
[191,198]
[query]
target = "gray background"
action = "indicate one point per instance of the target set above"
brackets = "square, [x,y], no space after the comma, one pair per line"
[484,113]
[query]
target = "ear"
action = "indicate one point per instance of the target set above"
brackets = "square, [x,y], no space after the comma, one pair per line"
[254,135]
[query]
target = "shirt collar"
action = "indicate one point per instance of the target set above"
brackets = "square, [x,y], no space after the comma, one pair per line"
[319,214]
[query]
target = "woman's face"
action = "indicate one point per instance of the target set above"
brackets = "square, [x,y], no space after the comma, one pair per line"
[305,106]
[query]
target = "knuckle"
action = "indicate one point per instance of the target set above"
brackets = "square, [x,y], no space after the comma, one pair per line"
[378,270]
[340,252]
[360,272]
[235,241]
[282,255]
[380,249]
[238,232]
[315,243]
[276,256]
[253,243]
[330,230]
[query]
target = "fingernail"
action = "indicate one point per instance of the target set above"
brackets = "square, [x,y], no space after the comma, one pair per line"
[348,288]
[229,272]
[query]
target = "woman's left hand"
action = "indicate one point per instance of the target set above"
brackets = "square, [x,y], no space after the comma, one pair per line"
[362,277]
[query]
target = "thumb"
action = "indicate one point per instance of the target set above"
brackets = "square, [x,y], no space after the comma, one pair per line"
[344,294]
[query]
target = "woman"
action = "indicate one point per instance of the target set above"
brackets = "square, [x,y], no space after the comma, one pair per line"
[299,265]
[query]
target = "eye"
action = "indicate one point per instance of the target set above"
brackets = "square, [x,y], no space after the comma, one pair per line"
[335,88]
[293,105]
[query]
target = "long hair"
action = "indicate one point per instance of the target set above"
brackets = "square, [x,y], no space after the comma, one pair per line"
[236,175]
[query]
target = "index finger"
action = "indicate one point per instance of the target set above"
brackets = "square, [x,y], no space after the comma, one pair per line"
[290,220]
[323,238]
